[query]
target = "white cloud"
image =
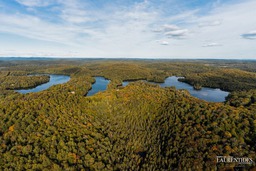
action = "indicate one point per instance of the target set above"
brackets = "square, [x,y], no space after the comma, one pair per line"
[120,31]
[35,28]
[164,42]
[131,30]
[35,3]
[73,11]
[157,30]
[249,35]
[210,23]
[172,31]
[177,33]
[184,16]
[235,19]
[169,27]
[75,18]
[212,45]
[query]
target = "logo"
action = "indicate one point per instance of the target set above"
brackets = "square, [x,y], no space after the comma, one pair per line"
[237,160]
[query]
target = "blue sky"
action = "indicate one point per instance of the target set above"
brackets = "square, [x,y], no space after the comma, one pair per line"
[128,28]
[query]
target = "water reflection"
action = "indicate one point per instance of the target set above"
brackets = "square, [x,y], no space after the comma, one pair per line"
[54,80]
[207,94]
[100,85]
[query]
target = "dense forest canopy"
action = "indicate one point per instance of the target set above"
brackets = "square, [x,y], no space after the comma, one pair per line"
[137,127]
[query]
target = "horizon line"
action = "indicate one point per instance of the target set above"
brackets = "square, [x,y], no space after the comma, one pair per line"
[153,58]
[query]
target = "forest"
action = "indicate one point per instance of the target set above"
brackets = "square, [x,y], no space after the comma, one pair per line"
[138,127]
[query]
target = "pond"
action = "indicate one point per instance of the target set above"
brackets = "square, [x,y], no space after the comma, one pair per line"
[207,94]
[100,85]
[54,80]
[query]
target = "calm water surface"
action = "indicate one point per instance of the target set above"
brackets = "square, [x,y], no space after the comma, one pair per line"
[100,85]
[54,80]
[207,94]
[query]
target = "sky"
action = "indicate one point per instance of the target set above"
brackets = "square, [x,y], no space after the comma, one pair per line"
[224,29]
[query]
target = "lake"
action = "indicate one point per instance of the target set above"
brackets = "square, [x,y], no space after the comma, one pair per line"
[207,94]
[54,80]
[100,85]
